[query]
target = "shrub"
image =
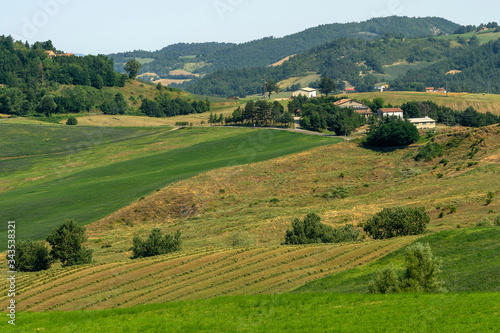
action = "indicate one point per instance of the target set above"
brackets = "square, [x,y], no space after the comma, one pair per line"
[338,192]
[32,257]
[393,133]
[496,221]
[421,274]
[485,222]
[429,152]
[72,121]
[311,230]
[181,123]
[66,242]
[156,244]
[398,221]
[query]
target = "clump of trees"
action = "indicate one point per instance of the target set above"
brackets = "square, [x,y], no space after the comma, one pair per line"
[156,244]
[397,221]
[164,106]
[31,256]
[421,274]
[67,244]
[311,230]
[392,133]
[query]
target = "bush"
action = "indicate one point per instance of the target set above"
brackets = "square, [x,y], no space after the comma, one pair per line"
[32,257]
[156,244]
[311,230]
[421,275]
[72,121]
[66,242]
[393,133]
[485,222]
[496,221]
[429,152]
[398,221]
[338,192]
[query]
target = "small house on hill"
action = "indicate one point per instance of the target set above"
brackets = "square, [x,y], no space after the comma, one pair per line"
[429,89]
[358,107]
[308,92]
[390,112]
[423,123]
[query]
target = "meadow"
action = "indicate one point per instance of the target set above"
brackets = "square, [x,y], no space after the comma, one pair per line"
[88,173]
[470,263]
[471,312]
[457,101]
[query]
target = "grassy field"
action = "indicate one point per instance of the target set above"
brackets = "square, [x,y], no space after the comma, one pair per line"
[202,273]
[471,263]
[256,203]
[457,101]
[284,313]
[90,172]
[393,71]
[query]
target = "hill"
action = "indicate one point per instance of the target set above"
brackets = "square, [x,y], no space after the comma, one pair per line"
[409,64]
[208,57]
[86,173]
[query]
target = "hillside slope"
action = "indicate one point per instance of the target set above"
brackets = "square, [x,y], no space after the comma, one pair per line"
[265,51]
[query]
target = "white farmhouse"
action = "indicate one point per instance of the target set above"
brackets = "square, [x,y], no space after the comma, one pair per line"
[308,92]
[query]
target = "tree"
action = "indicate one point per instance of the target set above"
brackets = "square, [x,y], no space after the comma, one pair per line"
[393,133]
[397,221]
[271,87]
[132,67]
[311,230]
[327,85]
[47,105]
[156,244]
[66,242]
[421,274]
[72,121]
[32,257]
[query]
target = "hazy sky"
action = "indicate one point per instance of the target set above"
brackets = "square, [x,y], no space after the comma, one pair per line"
[106,26]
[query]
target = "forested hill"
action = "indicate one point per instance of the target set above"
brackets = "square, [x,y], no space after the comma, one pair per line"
[464,66]
[210,57]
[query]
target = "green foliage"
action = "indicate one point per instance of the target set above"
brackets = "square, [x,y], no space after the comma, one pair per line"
[388,281]
[156,244]
[496,221]
[32,256]
[485,222]
[164,106]
[132,67]
[327,85]
[72,121]
[398,221]
[311,230]
[338,192]
[392,133]
[421,274]
[66,242]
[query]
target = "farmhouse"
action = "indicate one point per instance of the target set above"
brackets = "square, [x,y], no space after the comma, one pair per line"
[389,112]
[423,123]
[382,87]
[429,89]
[358,107]
[308,92]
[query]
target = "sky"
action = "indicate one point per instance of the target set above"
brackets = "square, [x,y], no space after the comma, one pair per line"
[109,26]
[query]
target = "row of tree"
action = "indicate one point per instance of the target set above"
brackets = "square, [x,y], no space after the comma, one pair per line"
[164,106]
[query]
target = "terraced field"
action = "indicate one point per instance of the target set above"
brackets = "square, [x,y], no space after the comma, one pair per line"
[202,273]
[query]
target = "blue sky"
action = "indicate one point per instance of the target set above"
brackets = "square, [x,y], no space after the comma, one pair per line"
[107,26]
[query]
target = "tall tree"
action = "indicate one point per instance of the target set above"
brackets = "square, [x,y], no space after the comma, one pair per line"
[66,242]
[327,85]
[132,67]
[271,87]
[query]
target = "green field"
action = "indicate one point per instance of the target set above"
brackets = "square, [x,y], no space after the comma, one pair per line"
[471,263]
[393,71]
[284,313]
[91,172]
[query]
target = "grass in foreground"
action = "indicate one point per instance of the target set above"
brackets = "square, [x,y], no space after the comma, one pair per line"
[284,313]
[471,263]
